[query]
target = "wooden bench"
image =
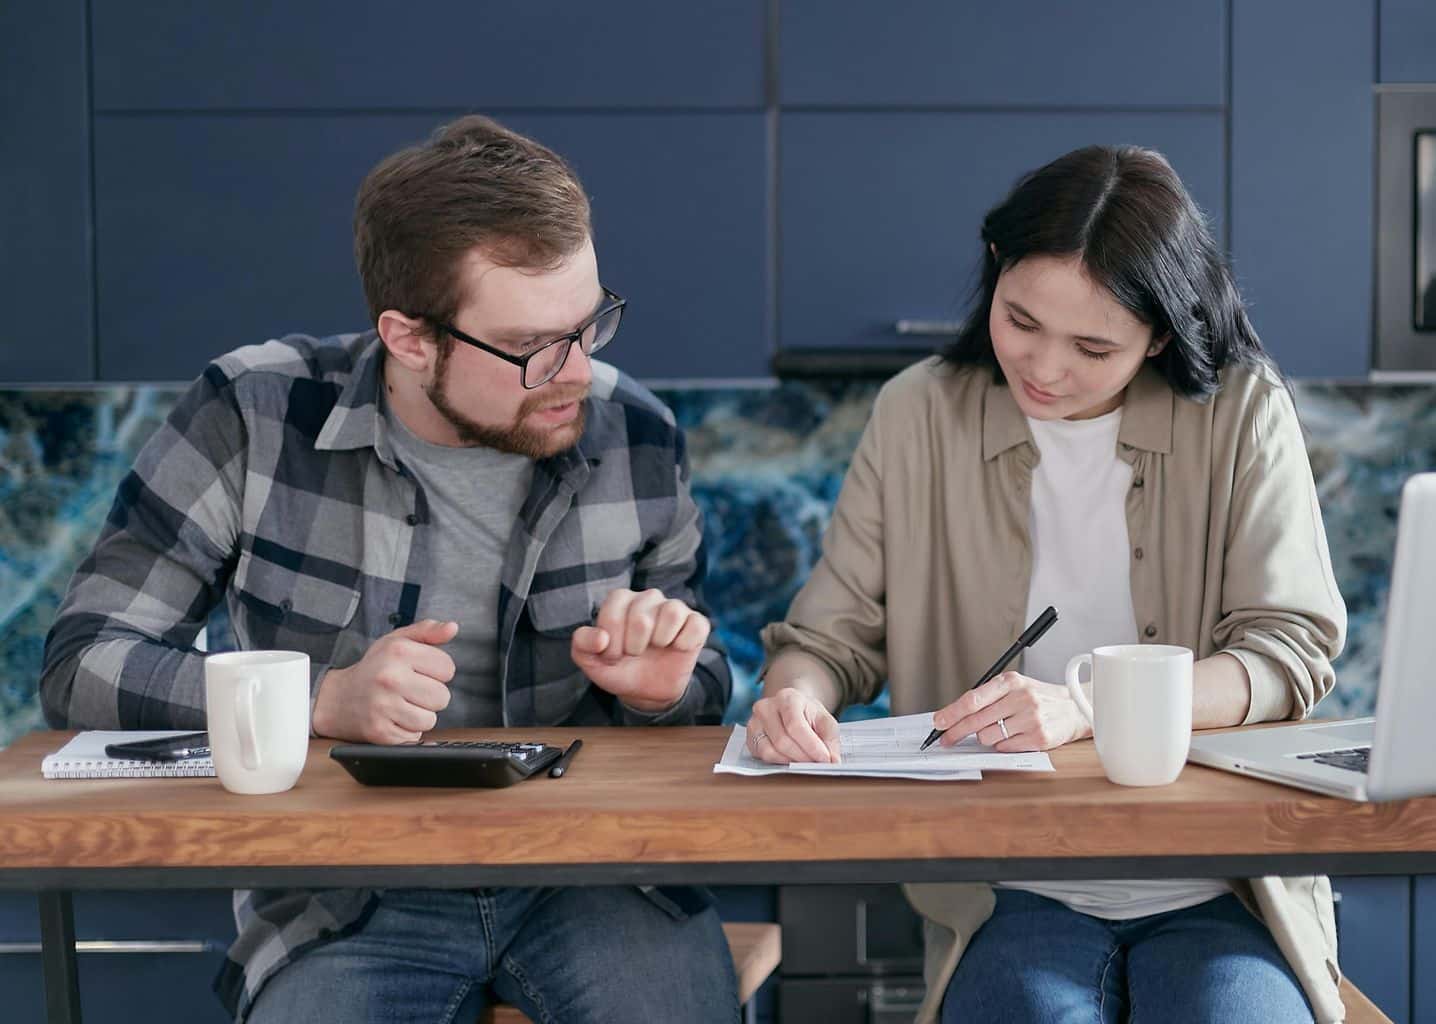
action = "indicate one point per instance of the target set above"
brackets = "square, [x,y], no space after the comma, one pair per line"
[1359,1009]
[756,950]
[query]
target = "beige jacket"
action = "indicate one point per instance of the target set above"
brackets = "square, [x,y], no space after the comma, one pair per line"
[1228,554]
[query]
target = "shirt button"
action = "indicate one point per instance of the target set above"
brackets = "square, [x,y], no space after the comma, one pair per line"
[1137,554]
[1137,481]
[1150,631]
[412,519]
[395,619]
[286,605]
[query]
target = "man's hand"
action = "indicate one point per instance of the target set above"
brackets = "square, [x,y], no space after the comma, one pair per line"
[1038,715]
[396,691]
[642,648]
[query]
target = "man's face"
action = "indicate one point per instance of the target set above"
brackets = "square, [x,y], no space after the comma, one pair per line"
[517,310]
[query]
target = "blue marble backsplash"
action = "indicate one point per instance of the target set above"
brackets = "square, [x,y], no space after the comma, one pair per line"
[767,465]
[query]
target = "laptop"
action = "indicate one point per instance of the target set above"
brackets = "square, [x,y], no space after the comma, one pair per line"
[1387,757]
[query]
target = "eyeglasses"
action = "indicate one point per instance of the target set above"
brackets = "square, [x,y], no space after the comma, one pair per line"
[543,364]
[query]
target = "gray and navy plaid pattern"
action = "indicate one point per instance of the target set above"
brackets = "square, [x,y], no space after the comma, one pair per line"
[273,487]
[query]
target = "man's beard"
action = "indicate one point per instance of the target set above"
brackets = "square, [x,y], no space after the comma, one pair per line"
[518,438]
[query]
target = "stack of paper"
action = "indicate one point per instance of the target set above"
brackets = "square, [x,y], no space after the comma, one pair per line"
[888,748]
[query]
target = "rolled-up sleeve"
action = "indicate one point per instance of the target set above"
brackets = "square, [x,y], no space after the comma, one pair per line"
[1282,615]
[840,614]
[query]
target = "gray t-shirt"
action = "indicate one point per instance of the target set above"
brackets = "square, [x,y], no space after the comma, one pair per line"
[474,497]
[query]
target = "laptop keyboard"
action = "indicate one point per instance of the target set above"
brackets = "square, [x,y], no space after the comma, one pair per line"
[1354,759]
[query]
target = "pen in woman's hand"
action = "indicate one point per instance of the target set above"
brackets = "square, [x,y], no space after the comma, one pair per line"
[1029,636]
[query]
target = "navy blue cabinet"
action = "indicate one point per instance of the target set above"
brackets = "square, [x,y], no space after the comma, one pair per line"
[142,959]
[220,231]
[681,212]
[880,212]
[1116,53]
[179,177]
[215,232]
[45,281]
[1408,41]
[1373,926]
[375,55]
[1423,948]
[1301,169]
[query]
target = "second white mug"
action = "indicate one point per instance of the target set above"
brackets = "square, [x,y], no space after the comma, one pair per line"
[1141,709]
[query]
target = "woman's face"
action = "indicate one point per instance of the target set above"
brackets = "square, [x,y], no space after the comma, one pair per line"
[1066,346]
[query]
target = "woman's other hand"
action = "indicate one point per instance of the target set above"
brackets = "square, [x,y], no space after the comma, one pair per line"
[793,726]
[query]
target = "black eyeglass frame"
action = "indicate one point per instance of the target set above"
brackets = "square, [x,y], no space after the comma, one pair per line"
[615,303]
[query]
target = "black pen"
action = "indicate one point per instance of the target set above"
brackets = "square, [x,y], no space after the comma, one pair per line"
[561,765]
[1029,636]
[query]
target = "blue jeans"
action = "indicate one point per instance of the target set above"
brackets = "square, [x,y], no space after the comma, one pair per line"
[576,955]
[1038,960]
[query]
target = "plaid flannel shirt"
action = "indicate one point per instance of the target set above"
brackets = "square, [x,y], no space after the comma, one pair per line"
[273,487]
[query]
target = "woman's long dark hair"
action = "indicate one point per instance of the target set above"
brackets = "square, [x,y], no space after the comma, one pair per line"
[1125,214]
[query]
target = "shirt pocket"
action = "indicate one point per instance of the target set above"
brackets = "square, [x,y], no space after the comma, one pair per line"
[552,686]
[556,612]
[280,600]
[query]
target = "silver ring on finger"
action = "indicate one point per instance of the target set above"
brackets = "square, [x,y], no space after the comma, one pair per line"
[759,737]
[1002,724]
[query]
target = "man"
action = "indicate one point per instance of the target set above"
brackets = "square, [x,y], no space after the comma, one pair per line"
[465,522]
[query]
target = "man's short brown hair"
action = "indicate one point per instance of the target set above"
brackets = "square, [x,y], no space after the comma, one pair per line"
[473,184]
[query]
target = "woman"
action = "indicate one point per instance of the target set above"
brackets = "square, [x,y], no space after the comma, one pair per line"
[1106,435]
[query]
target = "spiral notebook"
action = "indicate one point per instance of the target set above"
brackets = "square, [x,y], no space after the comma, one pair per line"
[84,757]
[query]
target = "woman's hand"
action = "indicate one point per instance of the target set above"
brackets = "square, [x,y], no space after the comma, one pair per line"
[1012,713]
[792,726]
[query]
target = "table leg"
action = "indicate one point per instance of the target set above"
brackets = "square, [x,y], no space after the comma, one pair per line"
[57,941]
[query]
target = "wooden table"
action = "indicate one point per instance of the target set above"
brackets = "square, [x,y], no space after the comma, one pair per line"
[643,805]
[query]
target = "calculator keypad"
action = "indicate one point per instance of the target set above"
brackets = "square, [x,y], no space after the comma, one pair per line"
[522,751]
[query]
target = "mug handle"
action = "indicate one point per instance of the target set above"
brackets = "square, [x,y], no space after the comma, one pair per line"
[1074,674]
[244,718]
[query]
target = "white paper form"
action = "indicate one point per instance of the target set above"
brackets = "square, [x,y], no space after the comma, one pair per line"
[888,748]
[738,761]
[891,744]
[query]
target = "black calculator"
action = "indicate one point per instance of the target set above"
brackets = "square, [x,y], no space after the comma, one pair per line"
[445,762]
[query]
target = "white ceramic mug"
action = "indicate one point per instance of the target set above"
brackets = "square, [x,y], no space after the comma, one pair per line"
[1141,709]
[257,704]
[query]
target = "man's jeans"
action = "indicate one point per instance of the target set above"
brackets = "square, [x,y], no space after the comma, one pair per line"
[570,955]
[1038,960]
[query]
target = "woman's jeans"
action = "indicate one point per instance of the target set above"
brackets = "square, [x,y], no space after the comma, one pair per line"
[576,955]
[1038,960]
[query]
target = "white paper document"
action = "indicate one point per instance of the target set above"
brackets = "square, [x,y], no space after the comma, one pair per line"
[888,748]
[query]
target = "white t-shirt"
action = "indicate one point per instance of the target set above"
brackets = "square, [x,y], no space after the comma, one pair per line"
[1081,565]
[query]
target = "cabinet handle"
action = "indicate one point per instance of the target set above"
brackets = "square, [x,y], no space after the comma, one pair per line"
[895,999]
[121,946]
[861,909]
[929,328]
